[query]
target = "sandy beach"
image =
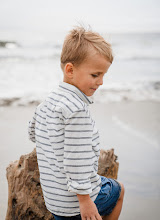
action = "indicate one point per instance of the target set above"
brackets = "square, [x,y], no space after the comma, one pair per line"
[131,128]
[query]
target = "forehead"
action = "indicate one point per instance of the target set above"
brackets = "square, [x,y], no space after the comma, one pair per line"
[96,62]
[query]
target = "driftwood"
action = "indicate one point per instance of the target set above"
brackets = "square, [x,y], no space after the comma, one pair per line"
[107,164]
[25,199]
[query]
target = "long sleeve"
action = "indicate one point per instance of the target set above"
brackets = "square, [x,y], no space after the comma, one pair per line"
[67,147]
[78,153]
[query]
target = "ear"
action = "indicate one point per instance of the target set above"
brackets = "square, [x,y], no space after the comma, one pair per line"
[68,69]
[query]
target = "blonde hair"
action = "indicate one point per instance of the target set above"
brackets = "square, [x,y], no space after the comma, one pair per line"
[78,43]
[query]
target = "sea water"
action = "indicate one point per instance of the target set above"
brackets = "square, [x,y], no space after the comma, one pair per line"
[30,67]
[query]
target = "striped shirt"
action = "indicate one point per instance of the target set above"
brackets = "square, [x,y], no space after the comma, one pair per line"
[67,146]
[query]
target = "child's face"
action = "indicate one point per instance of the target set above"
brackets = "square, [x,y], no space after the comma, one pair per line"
[88,76]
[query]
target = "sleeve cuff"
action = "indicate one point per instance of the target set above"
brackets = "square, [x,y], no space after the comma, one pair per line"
[79,188]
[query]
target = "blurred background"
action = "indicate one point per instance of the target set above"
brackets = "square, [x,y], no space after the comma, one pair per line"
[32,34]
[127,105]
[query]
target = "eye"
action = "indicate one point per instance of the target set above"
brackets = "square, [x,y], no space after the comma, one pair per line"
[94,75]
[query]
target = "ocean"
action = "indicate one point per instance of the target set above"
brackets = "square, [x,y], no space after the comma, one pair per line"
[126,108]
[30,67]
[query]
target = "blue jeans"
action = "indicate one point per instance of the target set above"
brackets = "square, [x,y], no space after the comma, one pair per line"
[105,201]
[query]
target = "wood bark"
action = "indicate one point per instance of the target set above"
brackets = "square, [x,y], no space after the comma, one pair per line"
[25,198]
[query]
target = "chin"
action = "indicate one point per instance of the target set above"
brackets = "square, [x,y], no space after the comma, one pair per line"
[90,94]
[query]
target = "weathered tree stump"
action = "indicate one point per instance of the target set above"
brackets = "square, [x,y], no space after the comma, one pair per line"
[25,198]
[107,164]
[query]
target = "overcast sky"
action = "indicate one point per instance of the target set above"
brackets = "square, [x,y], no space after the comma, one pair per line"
[46,15]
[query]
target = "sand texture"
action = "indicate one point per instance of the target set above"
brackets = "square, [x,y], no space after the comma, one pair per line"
[131,128]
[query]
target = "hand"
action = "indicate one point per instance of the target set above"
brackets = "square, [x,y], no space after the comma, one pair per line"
[88,208]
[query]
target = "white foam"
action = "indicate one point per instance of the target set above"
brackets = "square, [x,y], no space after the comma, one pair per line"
[33,69]
[132,91]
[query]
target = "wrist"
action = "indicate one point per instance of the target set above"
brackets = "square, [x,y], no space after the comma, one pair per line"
[83,198]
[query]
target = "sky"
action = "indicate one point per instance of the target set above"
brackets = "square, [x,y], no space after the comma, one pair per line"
[51,15]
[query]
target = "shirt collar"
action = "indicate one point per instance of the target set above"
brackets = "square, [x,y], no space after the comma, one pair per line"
[74,90]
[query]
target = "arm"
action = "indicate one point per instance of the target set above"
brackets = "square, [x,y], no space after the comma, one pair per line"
[78,154]
[78,161]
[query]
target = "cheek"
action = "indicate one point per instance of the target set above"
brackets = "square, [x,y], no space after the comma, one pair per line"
[93,80]
[90,81]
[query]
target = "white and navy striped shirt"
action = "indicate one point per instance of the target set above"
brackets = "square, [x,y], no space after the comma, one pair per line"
[67,145]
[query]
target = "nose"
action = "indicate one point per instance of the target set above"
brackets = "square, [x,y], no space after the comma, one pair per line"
[100,81]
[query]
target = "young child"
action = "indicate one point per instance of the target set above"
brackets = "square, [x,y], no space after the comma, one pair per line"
[67,140]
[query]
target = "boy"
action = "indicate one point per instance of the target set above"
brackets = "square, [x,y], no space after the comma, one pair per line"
[67,141]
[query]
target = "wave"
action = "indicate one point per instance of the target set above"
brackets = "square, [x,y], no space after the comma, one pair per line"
[115,92]
[50,53]
[139,57]
[137,91]
[56,55]
[19,101]
[9,44]
[29,57]
[52,49]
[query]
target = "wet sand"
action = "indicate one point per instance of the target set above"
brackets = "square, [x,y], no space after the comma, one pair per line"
[131,128]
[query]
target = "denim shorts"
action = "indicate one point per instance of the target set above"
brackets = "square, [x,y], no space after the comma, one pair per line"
[108,196]
[105,201]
